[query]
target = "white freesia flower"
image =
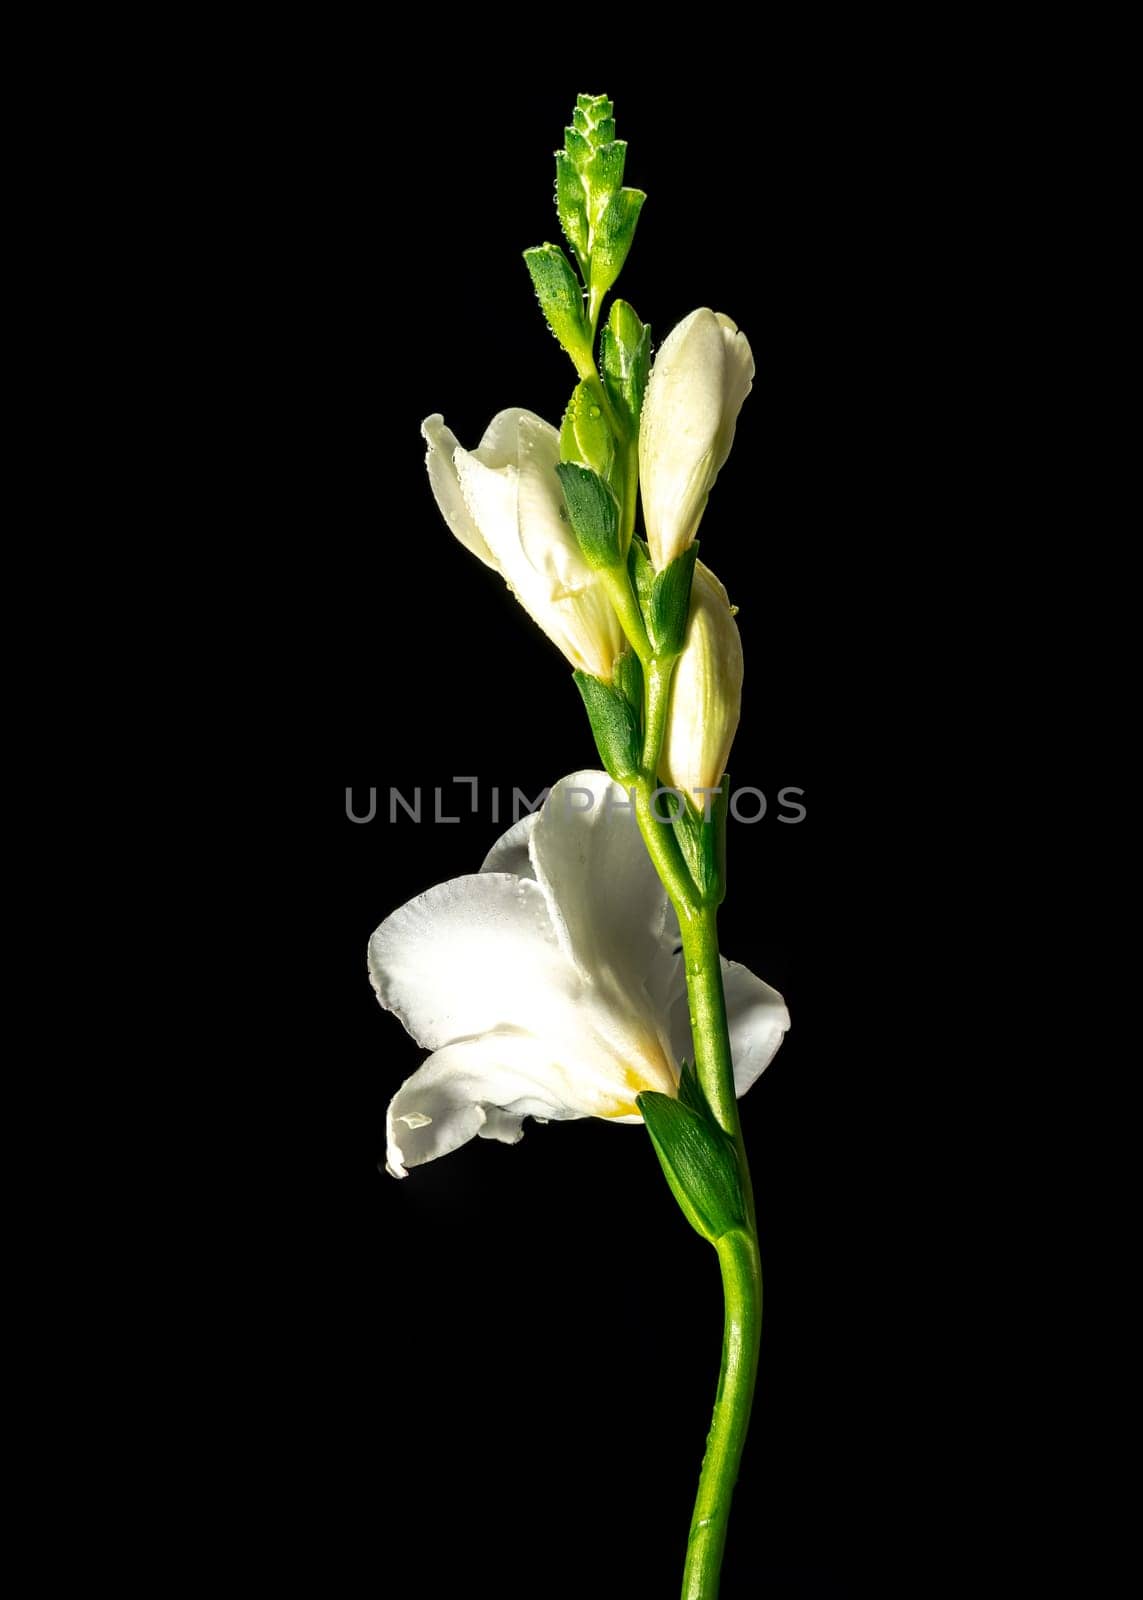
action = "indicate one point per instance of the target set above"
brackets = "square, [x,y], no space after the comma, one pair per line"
[548,984]
[504,502]
[701,376]
[706,693]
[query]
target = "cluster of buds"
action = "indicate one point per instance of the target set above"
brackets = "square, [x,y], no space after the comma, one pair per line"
[554,510]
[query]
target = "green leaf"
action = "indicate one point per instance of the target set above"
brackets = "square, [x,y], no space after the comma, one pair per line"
[625,360]
[594,513]
[571,206]
[612,239]
[585,434]
[561,298]
[628,679]
[614,724]
[699,1162]
[690,1090]
[671,603]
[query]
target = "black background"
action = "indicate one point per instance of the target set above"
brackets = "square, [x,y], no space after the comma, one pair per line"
[508,1360]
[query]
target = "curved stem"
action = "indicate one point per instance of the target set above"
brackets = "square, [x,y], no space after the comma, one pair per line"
[742,1287]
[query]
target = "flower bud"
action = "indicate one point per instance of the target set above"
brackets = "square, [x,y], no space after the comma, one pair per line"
[701,376]
[706,693]
[504,502]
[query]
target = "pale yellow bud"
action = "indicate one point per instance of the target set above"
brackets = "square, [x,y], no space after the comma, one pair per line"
[701,376]
[706,693]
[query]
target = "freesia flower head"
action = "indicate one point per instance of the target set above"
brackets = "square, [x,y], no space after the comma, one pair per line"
[549,983]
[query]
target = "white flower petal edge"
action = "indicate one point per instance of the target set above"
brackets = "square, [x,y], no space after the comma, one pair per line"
[547,984]
[503,501]
[447,1101]
[510,852]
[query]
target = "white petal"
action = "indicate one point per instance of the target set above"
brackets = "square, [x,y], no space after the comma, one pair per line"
[594,638]
[490,497]
[679,432]
[461,1091]
[486,1086]
[500,446]
[446,489]
[706,692]
[607,904]
[610,913]
[583,624]
[510,852]
[737,382]
[546,535]
[757,1019]
[470,956]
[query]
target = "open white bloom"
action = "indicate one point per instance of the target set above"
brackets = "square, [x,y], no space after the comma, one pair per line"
[504,502]
[549,983]
[701,376]
[706,693]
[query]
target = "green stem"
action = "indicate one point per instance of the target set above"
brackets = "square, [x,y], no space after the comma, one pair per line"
[738,1258]
[738,1250]
[657,674]
[713,1061]
[618,586]
[742,1288]
[663,847]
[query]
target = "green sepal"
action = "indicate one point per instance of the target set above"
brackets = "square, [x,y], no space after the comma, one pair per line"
[625,360]
[642,574]
[561,298]
[592,113]
[699,1161]
[571,206]
[604,174]
[628,679]
[612,239]
[594,513]
[614,724]
[671,603]
[578,150]
[585,434]
[703,843]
